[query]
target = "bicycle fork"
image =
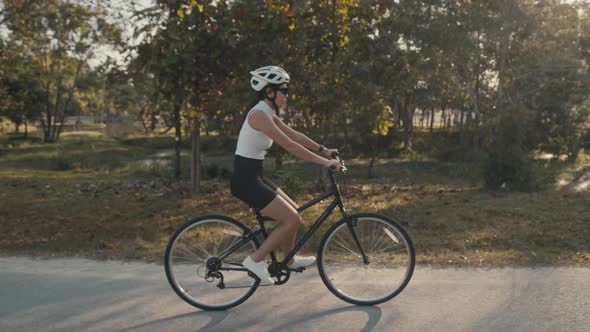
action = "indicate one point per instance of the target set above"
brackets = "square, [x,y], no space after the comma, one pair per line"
[351,223]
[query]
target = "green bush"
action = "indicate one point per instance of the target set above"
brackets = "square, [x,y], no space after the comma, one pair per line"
[151,141]
[293,185]
[157,169]
[211,171]
[507,166]
[225,173]
[461,153]
[62,162]
[218,144]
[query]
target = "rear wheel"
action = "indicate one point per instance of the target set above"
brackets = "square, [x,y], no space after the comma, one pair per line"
[194,270]
[390,265]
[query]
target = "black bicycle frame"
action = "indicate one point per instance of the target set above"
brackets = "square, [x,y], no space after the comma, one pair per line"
[262,230]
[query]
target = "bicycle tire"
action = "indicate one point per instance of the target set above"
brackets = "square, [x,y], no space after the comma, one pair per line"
[169,265]
[347,266]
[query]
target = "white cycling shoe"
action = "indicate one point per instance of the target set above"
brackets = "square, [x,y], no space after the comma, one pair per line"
[300,261]
[259,269]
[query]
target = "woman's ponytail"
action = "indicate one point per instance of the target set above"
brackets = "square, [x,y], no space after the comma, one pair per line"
[259,96]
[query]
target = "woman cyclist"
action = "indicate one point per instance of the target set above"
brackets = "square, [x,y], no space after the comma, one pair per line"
[262,126]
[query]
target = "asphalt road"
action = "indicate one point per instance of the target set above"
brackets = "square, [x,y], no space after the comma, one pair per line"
[84,295]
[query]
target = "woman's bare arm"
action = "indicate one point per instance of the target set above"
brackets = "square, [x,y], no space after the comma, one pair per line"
[295,135]
[264,123]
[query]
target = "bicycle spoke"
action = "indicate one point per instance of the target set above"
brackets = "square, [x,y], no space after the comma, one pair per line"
[387,240]
[189,259]
[378,242]
[232,243]
[372,236]
[343,246]
[188,251]
[346,251]
[382,241]
[202,249]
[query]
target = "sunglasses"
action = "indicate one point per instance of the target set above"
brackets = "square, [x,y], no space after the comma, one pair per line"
[284,91]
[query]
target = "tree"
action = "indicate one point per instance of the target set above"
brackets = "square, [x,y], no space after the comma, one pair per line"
[58,37]
[188,59]
[21,96]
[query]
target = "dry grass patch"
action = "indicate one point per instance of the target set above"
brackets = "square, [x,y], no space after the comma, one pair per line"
[449,226]
[105,203]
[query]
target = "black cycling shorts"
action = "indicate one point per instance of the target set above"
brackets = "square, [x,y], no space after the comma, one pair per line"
[248,184]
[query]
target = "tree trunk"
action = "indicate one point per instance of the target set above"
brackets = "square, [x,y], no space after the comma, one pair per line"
[407,120]
[431,120]
[143,116]
[69,100]
[177,139]
[322,127]
[56,110]
[500,97]
[406,136]
[398,114]
[422,117]
[279,160]
[345,129]
[320,184]
[450,119]
[374,147]
[307,120]
[370,174]
[475,122]
[26,129]
[196,157]
[47,123]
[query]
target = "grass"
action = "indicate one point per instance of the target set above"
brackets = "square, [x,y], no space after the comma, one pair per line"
[94,196]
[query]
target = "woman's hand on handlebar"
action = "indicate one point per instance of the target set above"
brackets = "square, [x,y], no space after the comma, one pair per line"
[329,152]
[333,164]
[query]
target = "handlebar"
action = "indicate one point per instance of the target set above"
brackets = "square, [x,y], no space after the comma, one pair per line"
[336,155]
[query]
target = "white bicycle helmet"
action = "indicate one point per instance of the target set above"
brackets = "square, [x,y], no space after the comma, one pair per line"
[268,75]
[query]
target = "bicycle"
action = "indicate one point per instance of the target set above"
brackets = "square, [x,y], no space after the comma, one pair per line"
[363,259]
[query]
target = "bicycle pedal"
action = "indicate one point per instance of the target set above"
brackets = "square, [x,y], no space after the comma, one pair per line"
[298,270]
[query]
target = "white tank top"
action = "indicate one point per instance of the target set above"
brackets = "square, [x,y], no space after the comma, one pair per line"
[251,142]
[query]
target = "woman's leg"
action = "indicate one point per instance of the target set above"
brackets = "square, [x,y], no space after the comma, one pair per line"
[287,198]
[289,219]
[288,245]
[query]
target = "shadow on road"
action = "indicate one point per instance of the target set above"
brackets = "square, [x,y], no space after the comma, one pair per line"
[215,317]
[374,314]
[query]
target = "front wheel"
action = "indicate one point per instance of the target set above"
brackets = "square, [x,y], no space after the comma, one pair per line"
[387,269]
